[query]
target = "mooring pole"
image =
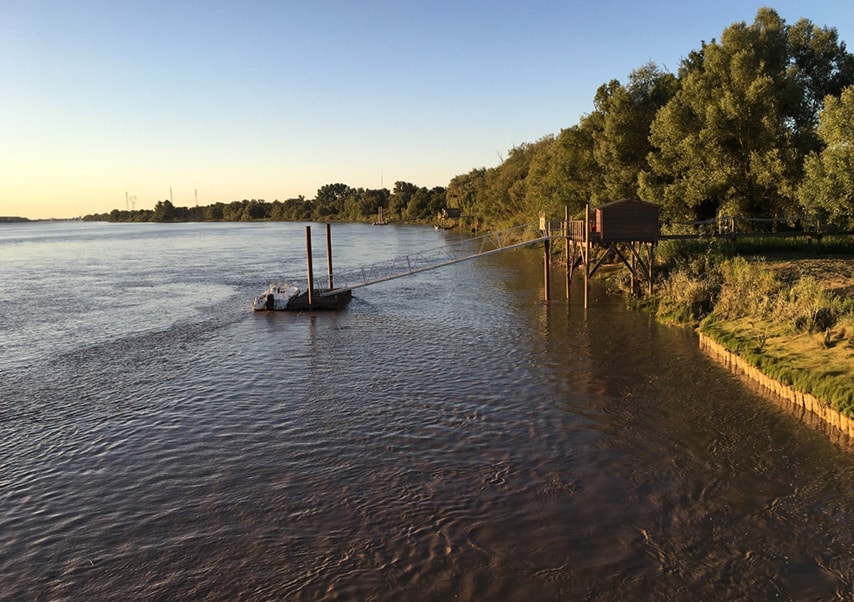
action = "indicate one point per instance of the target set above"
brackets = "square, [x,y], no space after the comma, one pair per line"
[329,255]
[586,253]
[566,245]
[546,266]
[310,270]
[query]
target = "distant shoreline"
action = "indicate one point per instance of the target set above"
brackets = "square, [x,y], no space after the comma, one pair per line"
[5,219]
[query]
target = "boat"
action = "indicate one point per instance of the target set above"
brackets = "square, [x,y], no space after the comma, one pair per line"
[276,297]
[284,296]
[287,297]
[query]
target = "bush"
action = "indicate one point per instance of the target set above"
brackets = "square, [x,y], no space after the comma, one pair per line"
[808,308]
[686,297]
[695,255]
[748,289]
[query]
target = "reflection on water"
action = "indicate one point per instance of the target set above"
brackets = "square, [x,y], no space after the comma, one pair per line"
[448,436]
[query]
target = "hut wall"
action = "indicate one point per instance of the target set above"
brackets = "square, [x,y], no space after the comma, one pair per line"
[628,220]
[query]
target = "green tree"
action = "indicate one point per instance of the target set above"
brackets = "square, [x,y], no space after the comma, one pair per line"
[823,68]
[564,173]
[732,139]
[399,199]
[214,212]
[506,186]
[827,191]
[467,192]
[164,211]
[370,200]
[329,201]
[437,200]
[254,210]
[233,212]
[622,144]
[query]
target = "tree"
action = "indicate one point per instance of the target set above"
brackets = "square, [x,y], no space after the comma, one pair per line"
[164,211]
[255,209]
[399,199]
[622,145]
[437,200]
[371,200]
[564,173]
[824,67]
[827,191]
[732,139]
[467,193]
[329,202]
[506,185]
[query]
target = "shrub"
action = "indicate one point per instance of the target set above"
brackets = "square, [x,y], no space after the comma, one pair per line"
[748,289]
[808,308]
[686,298]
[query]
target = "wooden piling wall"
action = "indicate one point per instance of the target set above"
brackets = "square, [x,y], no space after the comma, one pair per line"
[805,401]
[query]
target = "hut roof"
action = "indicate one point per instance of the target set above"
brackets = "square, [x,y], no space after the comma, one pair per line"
[637,202]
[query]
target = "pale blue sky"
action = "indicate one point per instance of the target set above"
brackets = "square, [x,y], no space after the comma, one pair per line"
[274,99]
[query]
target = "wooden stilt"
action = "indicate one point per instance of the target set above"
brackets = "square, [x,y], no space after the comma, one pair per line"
[329,256]
[651,255]
[310,270]
[546,265]
[633,270]
[568,275]
[586,252]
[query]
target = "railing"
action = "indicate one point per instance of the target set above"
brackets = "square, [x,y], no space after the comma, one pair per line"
[421,261]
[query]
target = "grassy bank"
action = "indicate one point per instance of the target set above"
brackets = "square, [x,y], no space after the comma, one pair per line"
[788,311]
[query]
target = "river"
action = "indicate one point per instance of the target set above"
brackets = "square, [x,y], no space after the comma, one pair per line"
[447,436]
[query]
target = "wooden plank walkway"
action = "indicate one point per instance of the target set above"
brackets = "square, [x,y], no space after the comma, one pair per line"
[422,261]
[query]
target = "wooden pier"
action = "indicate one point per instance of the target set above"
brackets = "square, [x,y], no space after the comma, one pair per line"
[624,231]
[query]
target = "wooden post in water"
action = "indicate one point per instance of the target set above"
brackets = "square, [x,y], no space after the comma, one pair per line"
[546,265]
[310,270]
[566,246]
[329,256]
[586,253]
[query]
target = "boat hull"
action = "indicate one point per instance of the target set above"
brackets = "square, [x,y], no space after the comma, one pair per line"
[271,300]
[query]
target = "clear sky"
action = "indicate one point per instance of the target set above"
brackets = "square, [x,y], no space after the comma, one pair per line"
[273,99]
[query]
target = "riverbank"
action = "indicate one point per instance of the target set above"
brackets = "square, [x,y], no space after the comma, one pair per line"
[801,400]
[785,322]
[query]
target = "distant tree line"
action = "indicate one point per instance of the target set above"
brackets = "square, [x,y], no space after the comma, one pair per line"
[758,124]
[333,202]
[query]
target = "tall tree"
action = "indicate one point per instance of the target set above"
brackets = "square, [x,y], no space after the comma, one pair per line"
[329,201]
[564,173]
[827,191]
[467,192]
[164,211]
[732,137]
[506,185]
[622,145]
[400,197]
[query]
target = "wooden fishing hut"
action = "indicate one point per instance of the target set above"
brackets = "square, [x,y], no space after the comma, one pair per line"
[448,217]
[627,230]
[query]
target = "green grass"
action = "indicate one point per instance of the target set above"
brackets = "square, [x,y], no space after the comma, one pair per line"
[786,321]
[801,361]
